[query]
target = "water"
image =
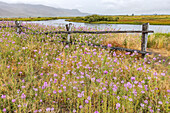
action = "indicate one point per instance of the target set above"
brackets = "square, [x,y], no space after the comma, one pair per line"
[62,22]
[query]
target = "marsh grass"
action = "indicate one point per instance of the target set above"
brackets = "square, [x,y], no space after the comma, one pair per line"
[37,75]
[128,19]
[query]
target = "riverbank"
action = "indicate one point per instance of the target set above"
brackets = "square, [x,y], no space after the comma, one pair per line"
[136,20]
[121,22]
[120,19]
[34,18]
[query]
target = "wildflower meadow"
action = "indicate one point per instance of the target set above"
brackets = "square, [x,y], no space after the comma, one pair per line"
[39,73]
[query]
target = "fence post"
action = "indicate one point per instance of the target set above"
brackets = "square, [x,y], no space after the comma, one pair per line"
[145,27]
[18,25]
[68,27]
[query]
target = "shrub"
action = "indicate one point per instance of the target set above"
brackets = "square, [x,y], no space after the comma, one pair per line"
[97,18]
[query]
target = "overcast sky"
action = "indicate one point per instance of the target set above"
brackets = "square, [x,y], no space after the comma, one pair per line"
[113,7]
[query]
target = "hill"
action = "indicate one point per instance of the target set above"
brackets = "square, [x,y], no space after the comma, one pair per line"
[29,10]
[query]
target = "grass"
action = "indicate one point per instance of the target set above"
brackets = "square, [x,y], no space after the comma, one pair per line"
[155,41]
[34,18]
[138,20]
[40,74]
[159,40]
[123,19]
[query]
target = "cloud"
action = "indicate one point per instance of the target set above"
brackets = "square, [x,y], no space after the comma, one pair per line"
[136,6]
[107,6]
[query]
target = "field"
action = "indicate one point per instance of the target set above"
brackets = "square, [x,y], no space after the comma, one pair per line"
[124,19]
[38,73]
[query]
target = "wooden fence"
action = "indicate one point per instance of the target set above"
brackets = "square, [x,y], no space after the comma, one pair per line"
[145,30]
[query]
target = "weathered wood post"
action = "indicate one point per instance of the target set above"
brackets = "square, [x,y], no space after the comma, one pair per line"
[68,27]
[144,41]
[18,25]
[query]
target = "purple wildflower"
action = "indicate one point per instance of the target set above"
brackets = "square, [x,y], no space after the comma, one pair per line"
[3,96]
[86,101]
[39,110]
[88,98]
[132,78]
[130,99]
[117,106]
[55,75]
[4,110]
[13,100]
[47,109]
[105,72]
[60,91]
[146,102]
[160,102]
[19,105]
[80,106]
[23,96]
[109,45]
[142,105]
[74,111]
[52,109]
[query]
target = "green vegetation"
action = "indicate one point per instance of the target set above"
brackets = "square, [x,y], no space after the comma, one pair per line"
[96,18]
[125,19]
[34,18]
[38,73]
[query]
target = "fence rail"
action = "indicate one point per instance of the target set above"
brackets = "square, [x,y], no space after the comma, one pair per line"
[6,26]
[96,32]
[144,32]
[111,48]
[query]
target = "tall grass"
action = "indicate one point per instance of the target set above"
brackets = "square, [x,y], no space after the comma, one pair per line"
[159,40]
[40,74]
[133,41]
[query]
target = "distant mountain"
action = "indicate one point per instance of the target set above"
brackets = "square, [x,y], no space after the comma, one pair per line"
[29,10]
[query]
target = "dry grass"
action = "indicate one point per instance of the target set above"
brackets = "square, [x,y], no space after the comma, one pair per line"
[131,41]
[157,43]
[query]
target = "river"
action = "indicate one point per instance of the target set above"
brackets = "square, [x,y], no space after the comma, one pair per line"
[62,22]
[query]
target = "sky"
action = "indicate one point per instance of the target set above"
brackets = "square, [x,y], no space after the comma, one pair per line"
[106,7]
